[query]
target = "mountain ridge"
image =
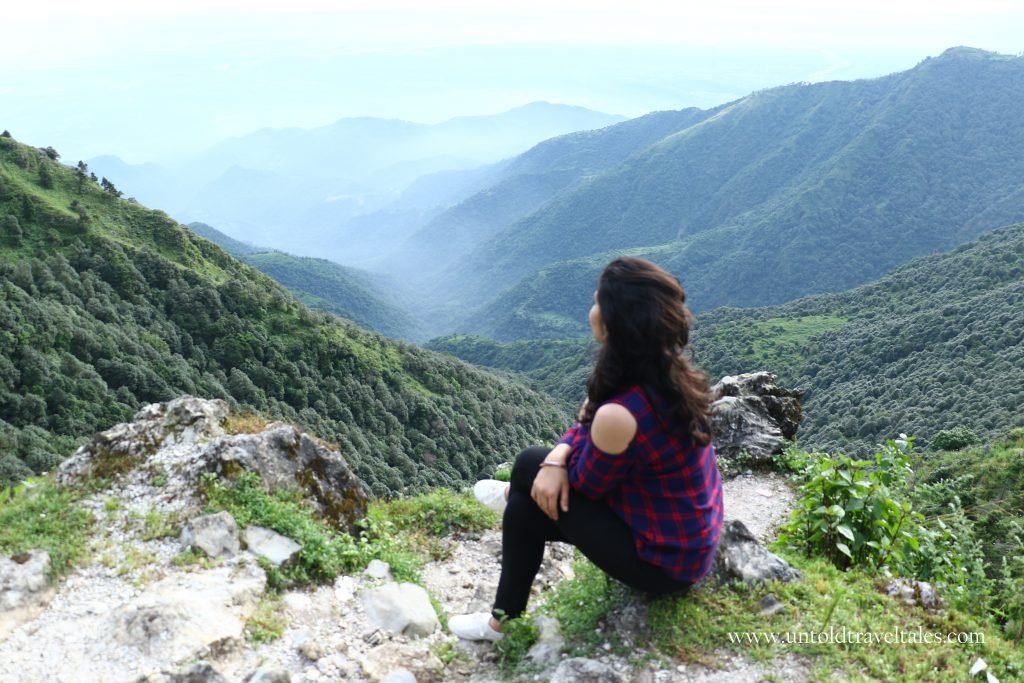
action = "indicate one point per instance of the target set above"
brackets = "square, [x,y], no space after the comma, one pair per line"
[791,191]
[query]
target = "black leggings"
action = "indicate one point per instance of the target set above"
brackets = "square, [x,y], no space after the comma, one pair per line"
[591,526]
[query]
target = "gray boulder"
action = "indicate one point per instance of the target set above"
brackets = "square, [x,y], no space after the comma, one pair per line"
[582,670]
[22,577]
[185,438]
[400,608]
[268,544]
[25,589]
[286,458]
[753,414]
[189,616]
[216,535]
[741,558]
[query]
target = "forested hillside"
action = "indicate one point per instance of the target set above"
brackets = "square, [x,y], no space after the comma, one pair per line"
[357,295]
[105,305]
[800,189]
[936,344]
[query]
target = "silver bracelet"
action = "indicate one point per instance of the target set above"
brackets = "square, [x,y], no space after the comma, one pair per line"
[553,464]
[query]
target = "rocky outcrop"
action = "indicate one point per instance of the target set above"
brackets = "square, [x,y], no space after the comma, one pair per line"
[753,415]
[285,457]
[186,420]
[142,610]
[183,439]
[741,558]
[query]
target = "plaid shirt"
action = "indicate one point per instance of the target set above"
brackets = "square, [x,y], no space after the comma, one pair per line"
[664,486]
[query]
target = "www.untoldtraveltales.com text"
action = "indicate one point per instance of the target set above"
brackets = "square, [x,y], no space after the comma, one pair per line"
[843,636]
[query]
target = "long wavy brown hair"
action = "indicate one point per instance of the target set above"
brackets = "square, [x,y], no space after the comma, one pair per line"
[648,327]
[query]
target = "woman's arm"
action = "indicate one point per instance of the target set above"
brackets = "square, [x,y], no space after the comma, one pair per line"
[596,465]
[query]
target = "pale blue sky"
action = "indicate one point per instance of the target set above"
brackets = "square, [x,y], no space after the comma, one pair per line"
[151,80]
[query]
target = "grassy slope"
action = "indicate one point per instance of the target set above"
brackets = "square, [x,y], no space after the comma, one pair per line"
[98,317]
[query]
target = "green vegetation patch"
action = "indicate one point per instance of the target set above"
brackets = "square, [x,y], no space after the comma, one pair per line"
[832,602]
[440,512]
[44,516]
[325,553]
[775,344]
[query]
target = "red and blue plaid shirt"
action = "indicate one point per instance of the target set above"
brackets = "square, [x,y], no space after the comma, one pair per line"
[665,486]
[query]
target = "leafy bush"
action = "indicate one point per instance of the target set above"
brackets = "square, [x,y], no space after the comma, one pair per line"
[954,439]
[849,512]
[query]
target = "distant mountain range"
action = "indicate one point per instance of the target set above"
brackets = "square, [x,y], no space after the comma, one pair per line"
[787,192]
[295,189]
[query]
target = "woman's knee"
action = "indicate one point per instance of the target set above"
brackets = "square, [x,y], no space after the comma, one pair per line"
[526,466]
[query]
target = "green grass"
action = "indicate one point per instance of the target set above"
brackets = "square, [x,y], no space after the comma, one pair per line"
[405,533]
[266,624]
[696,628]
[440,512]
[777,343]
[46,517]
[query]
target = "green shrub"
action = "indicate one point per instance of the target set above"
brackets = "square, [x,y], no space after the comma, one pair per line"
[850,511]
[954,439]
[325,553]
[440,512]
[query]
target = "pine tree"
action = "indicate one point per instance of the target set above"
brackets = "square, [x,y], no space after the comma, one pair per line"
[81,175]
[109,188]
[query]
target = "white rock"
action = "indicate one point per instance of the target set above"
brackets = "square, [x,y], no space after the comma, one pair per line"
[399,676]
[344,588]
[187,615]
[978,666]
[269,544]
[378,569]
[216,535]
[548,648]
[24,588]
[400,608]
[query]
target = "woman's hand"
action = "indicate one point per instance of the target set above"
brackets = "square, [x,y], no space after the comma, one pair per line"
[551,490]
[551,485]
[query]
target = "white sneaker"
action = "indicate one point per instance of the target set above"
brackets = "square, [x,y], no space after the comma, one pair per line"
[491,493]
[474,627]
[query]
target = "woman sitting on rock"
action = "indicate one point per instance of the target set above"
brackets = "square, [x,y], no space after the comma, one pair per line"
[633,484]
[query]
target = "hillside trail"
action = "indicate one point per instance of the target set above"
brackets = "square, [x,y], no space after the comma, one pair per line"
[465,581]
[91,629]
